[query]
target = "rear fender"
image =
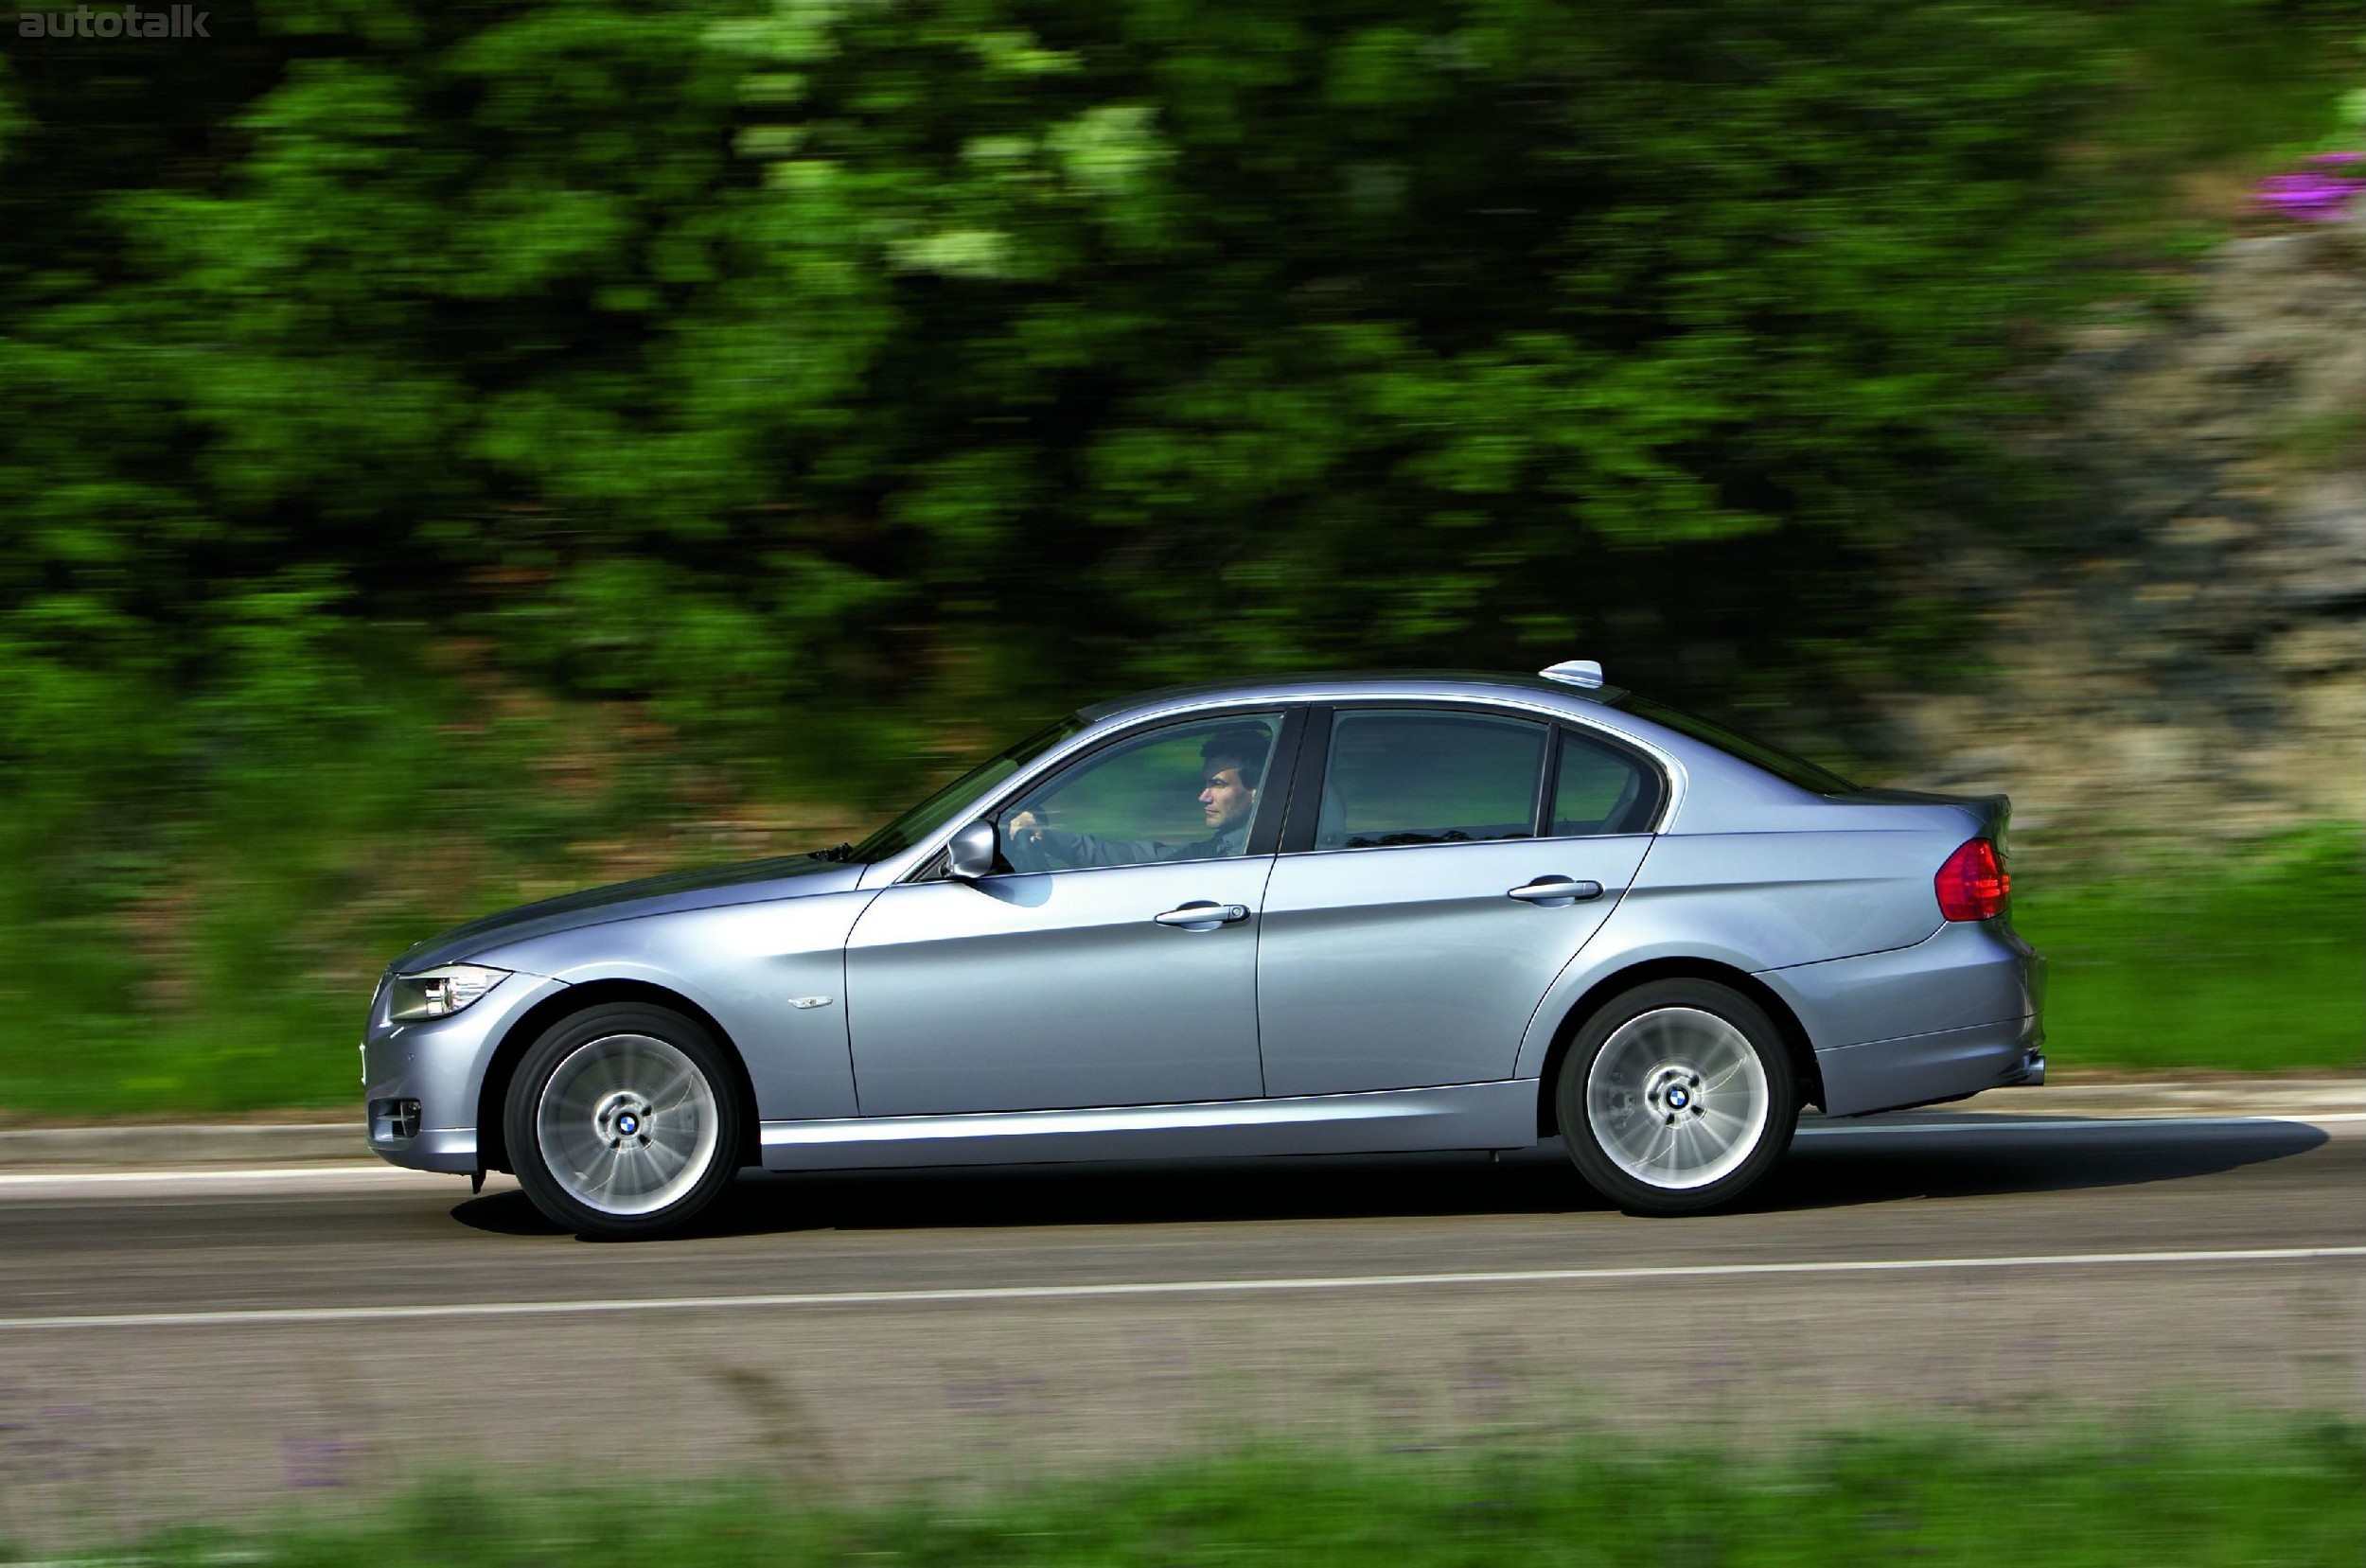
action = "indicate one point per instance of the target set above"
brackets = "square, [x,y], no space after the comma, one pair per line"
[1593,967]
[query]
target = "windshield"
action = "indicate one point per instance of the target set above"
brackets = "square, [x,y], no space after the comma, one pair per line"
[938,809]
[1790,769]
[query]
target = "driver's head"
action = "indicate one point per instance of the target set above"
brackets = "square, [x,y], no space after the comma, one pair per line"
[1232,764]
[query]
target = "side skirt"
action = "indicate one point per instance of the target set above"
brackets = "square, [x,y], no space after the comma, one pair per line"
[1460,1116]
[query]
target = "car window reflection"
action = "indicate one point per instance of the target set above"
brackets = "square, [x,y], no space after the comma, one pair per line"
[1429,778]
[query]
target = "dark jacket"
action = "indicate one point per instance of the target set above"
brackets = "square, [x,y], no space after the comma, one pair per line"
[1058,851]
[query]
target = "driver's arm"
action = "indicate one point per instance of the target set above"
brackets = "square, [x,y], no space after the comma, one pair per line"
[1033,847]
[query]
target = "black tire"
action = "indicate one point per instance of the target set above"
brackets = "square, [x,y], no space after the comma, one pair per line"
[597,1094]
[1662,1102]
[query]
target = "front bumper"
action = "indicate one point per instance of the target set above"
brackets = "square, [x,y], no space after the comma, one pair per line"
[439,1063]
[449,1149]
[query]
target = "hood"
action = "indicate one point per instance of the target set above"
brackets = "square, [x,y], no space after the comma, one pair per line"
[750,882]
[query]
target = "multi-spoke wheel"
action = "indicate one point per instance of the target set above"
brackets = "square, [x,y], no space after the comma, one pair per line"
[623,1120]
[1677,1096]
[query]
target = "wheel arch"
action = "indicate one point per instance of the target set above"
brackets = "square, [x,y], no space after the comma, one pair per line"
[1794,1033]
[492,1149]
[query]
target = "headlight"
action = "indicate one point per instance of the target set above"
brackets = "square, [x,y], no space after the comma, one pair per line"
[440,992]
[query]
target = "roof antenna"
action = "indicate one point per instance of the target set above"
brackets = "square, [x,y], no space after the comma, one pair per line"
[1575,672]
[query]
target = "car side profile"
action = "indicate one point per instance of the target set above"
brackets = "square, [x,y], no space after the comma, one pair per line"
[1330,914]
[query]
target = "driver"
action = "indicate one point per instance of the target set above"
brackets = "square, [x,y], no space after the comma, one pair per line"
[1232,764]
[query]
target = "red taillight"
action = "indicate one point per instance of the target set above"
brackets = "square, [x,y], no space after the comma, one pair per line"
[1973,883]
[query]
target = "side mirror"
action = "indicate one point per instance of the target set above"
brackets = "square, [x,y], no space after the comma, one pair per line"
[969,854]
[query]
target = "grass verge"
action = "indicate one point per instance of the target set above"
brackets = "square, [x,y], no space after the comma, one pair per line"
[2253,961]
[2290,1495]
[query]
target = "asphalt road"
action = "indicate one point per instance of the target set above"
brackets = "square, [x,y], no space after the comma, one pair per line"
[213,1344]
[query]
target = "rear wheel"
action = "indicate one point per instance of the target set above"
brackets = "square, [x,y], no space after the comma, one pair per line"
[1676,1096]
[624,1120]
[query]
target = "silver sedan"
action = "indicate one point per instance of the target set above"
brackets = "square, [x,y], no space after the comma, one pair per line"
[1323,915]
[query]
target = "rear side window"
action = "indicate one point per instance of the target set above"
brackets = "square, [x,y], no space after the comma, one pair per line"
[1410,777]
[1600,790]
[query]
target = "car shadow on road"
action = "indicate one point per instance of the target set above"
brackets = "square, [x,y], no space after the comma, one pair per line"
[1869,1163]
[1118,1193]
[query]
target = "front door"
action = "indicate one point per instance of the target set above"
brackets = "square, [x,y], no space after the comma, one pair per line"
[1115,963]
[1411,936]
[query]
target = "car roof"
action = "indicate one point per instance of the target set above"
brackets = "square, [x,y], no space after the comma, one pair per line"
[1346,685]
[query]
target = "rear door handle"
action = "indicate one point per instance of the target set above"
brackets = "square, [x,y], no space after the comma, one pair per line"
[1203,915]
[1555,889]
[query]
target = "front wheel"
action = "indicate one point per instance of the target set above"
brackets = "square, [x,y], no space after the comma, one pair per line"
[1676,1096]
[623,1120]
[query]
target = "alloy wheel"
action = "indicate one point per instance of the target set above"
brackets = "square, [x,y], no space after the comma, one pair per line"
[627,1125]
[1677,1097]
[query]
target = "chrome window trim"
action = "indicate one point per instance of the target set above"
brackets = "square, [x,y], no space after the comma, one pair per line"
[1672,769]
[1464,844]
[1617,741]
[1578,713]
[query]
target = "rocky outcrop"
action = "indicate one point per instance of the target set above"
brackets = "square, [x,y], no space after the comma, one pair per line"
[2188,655]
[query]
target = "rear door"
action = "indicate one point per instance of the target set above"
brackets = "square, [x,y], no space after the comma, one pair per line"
[1418,914]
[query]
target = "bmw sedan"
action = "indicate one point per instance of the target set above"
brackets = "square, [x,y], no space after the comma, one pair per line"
[1335,914]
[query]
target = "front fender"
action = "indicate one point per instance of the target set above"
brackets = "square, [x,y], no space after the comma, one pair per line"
[772,975]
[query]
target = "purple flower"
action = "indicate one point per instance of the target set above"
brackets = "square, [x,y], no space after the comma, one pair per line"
[2315,194]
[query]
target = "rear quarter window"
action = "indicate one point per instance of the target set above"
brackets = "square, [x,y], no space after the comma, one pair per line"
[1600,790]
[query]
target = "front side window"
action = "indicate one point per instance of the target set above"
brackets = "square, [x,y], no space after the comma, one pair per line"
[1600,790]
[1398,776]
[1186,792]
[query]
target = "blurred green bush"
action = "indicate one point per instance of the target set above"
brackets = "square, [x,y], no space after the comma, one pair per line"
[742,358]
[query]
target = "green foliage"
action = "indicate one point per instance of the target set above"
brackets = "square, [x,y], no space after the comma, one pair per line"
[2250,961]
[784,352]
[2207,96]
[2286,1494]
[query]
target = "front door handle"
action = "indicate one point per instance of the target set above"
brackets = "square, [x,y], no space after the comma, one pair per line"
[1555,889]
[1203,915]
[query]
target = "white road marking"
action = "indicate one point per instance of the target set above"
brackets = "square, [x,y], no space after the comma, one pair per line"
[267,1315]
[2065,1124]
[354,1171]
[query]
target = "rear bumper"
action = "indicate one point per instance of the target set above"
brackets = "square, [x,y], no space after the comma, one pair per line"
[1922,1069]
[1955,1014]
